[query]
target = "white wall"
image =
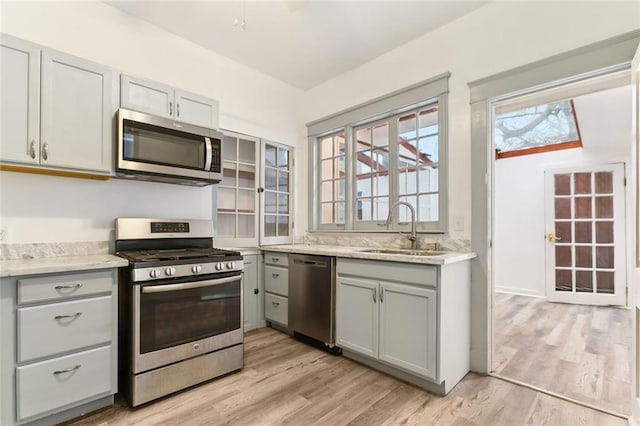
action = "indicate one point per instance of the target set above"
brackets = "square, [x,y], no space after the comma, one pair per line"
[494,38]
[38,208]
[605,125]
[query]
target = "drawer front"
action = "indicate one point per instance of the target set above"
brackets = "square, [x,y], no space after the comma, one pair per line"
[51,384]
[276,259]
[276,280]
[60,327]
[58,287]
[276,308]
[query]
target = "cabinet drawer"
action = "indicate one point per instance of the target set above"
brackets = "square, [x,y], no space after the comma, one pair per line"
[276,280]
[277,259]
[276,308]
[47,385]
[59,327]
[56,287]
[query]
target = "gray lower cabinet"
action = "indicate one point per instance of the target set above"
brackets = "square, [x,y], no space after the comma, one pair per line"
[253,289]
[57,109]
[409,320]
[59,339]
[276,287]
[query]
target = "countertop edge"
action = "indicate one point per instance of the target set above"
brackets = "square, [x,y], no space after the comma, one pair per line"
[357,253]
[50,265]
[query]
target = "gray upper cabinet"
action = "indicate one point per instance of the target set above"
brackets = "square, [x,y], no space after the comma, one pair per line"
[165,101]
[57,109]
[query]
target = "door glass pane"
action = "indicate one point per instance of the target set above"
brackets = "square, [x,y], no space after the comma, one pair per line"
[562,184]
[246,176]
[246,225]
[270,155]
[247,151]
[583,232]
[226,199]
[605,280]
[563,208]
[228,174]
[283,203]
[584,256]
[283,226]
[283,158]
[563,231]
[604,232]
[269,202]
[564,280]
[226,225]
[229,146]
[246,201]
[604,257]
[582,183]
[269,225]
[283,181]
[583,207]
[270,179]
[604,207]
[563,256]
[604,183]
[584,281]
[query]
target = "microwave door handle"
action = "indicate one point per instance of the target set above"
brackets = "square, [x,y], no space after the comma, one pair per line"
[187,286]
[209,154]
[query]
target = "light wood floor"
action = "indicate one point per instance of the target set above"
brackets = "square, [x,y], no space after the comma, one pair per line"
[583,352]
[285,381]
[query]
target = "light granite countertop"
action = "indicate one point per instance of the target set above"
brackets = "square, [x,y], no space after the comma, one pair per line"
[358,253]
[49,265]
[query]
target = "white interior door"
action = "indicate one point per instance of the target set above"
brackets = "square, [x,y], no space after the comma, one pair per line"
[585,222]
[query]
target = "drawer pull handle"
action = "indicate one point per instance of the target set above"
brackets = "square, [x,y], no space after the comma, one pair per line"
[68,286]
[59,317]
[275,259]
[68,370]
[276,304]
[275,275]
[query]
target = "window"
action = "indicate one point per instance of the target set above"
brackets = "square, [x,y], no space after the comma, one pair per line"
[534,129]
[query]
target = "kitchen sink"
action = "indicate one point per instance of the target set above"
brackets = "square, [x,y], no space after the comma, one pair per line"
[406,252]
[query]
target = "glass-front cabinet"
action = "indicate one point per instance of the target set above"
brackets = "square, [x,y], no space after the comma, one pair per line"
[277,217]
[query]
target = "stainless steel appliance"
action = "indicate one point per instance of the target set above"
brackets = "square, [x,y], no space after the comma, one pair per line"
[312,297]
[180,311]
[159,149]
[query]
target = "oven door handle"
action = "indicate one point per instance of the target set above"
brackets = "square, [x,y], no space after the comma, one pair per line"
[187,286]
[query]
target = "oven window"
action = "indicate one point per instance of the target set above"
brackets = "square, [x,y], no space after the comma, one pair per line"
[175,317]
[151,144]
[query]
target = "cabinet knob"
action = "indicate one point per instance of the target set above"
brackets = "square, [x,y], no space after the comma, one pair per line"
[177,110]
[170,108]
[256,291]
[32,149]
[45,151]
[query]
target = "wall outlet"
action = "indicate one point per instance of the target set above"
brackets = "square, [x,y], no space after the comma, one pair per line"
[458,223]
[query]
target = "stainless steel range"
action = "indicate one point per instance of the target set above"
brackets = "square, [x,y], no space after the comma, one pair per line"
[180,307]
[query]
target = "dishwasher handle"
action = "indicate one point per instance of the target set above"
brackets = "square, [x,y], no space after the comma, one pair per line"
[317,264]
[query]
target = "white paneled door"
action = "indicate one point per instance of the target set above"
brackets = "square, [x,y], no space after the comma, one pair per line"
[585,235]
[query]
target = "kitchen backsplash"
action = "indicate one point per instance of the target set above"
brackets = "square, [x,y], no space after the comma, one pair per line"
[385,241]
[38,250]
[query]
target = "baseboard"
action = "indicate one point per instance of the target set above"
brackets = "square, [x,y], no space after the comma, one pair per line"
[519,292]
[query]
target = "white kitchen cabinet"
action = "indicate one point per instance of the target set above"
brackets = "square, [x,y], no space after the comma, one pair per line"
[409,320]
[57,110]
[59,339]
[253,292]
[165,101]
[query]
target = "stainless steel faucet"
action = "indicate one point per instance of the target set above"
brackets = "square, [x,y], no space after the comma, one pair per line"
[414,236]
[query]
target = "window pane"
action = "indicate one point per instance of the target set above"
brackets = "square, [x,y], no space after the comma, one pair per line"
[270,155]
[246,226]
[582,183]
[283,158]
[563,231]
[604,232]
[226,225]
[283,203]
[406,182]
[604,207]
[584,256]
[363,186]
[584,281]
[326,148]
[339,145]
[562,184]
[604,257]
[246,176]
[229,146]
[381,135]
[326,191]
[407,153]
[564,280]
[363,139]
[283,181]
[326,213]
[583,232]
[269,202]
[563,256]
[428,208]
[247,151]
[380,183]
[604,183]
[380,208]
[380,160]
[428,179]
[605,281]
[339,212]
[428,150]
[338,166]
[402,212]
[407,127]
[326,169]
[583,207]
[563,208]
[339,190]
[363,209]
[270,178]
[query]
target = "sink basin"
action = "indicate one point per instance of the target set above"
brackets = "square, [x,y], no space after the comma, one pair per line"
[406,252]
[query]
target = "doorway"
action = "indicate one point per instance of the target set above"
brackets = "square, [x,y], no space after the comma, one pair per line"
[559,242]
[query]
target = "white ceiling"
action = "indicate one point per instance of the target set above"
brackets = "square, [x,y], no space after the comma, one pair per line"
[300,42]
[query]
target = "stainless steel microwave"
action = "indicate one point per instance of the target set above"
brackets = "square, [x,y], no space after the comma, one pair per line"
[159,149]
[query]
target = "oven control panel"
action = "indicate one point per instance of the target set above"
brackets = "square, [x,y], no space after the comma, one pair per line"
[169,227]
[178,271]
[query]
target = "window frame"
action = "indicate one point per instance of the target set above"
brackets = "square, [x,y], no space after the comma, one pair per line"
[351,225]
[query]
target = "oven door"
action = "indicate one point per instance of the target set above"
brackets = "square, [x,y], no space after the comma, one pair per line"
[180,319]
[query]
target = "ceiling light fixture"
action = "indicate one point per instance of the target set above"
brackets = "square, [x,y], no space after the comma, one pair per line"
[242,24]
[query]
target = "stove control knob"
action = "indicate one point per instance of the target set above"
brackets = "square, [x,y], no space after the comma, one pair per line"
[230,265]
[153,273]
[219,266]
[196,269]
[170,271]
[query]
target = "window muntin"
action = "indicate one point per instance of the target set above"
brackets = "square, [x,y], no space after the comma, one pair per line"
[332,179]
[539,128]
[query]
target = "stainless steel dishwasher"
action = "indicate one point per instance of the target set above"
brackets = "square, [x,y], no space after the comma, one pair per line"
[312,297]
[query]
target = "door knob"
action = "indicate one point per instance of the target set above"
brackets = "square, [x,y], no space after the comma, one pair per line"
[551,237]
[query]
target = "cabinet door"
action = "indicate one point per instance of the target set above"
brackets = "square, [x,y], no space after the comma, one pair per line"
[277,194]
[146,96]
[20,101]
[196,109]
[76,115]
[253,295]
[357,315]
[408,328]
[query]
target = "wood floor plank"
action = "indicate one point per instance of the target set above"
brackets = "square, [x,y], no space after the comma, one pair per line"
[285,381]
